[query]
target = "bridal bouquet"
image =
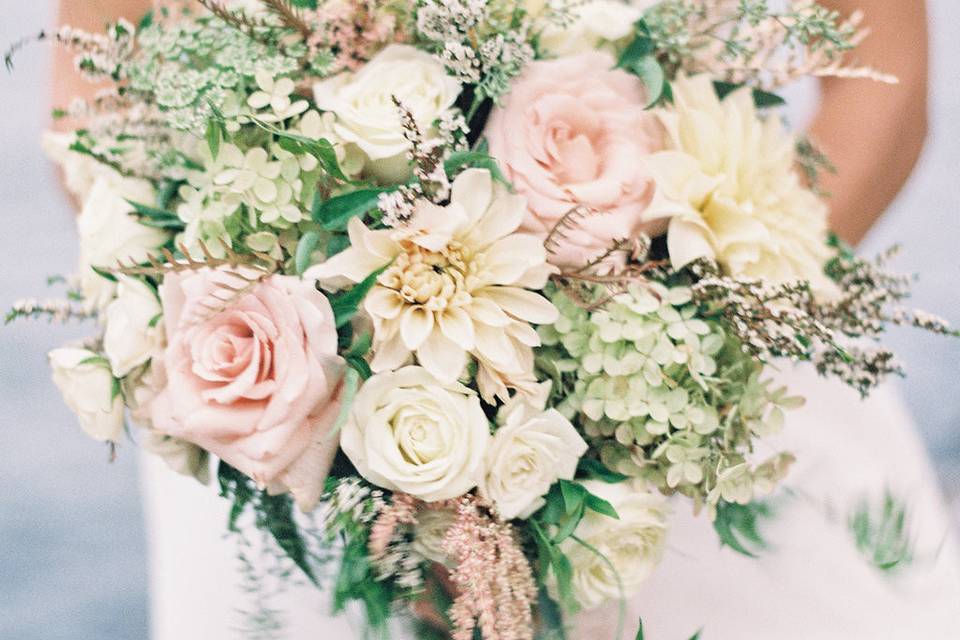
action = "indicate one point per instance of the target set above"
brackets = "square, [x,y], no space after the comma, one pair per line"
[457,292]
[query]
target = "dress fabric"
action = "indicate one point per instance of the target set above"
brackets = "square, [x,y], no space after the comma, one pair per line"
[811,583]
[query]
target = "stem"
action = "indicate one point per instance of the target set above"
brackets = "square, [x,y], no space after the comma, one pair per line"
[622,614]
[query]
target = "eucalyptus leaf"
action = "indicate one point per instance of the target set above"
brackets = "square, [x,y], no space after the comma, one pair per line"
[346,304]
[597,470]
[212,137]
[334,213]
[305,248]
[761,98]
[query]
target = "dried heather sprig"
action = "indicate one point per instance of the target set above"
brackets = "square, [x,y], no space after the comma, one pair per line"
[54,310]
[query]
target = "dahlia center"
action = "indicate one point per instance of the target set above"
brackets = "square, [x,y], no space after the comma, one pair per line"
[435,280]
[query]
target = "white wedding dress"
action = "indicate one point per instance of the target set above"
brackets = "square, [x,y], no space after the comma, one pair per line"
[811,584]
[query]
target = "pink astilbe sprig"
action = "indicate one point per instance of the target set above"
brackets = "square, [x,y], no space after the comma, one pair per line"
[494,581]
[354,31]
[402,510]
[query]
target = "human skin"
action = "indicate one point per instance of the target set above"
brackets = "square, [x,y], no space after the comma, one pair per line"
[874,132]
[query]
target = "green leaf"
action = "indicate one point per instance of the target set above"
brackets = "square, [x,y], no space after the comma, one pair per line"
[477,158]
[305,248]
[213,137]
[346,304]
[601,506]
[304,4]
[641,47]
[351,381]
[574,495]
[145,21]
[335,213]
[277,518]
[103,273]
[320,149]
[597,470]
[152,213]
[736,524]
[360,346]
[696,636]
[652,76]
[361,367]
[99,361]
[761,99]
[336,244]
[569,524]
[237,488]
[640,630]
[563,570]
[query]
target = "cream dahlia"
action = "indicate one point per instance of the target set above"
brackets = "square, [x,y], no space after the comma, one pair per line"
[728,184]
[456,282]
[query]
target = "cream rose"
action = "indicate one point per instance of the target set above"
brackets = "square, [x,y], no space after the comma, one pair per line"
[367,115]
[597,24]
[429,532]
[530,451]
[632,545]
[133,333]
[181,456]
[80,171]
[90,391]
[257,383]
[571,134]
[409,432]
[109,233]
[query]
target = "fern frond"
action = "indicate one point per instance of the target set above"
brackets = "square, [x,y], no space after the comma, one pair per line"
[567,222]
[166,262]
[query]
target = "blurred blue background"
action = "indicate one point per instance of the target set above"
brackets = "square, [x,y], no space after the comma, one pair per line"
[72,551]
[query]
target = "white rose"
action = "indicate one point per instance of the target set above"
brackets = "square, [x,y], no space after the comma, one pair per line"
[80,171]
[596,24]
[181,456]
[109,233]
[132,334]
[408,432]
[366,113]
[429,532]
[529,452]
[88,388]
[633,544]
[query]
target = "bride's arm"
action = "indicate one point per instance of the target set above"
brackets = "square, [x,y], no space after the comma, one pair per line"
[874,132]
[90,15]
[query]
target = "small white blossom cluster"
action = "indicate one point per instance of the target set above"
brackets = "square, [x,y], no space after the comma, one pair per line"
[478,44]
[352,498]
[100,56]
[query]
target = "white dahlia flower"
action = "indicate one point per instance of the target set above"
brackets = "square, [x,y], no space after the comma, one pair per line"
[457,282]
[727,182]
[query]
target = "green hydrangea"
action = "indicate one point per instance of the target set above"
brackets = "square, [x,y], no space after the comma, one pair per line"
[664,394]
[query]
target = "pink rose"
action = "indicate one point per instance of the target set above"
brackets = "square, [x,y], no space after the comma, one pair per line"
[256,384]
[571,133]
